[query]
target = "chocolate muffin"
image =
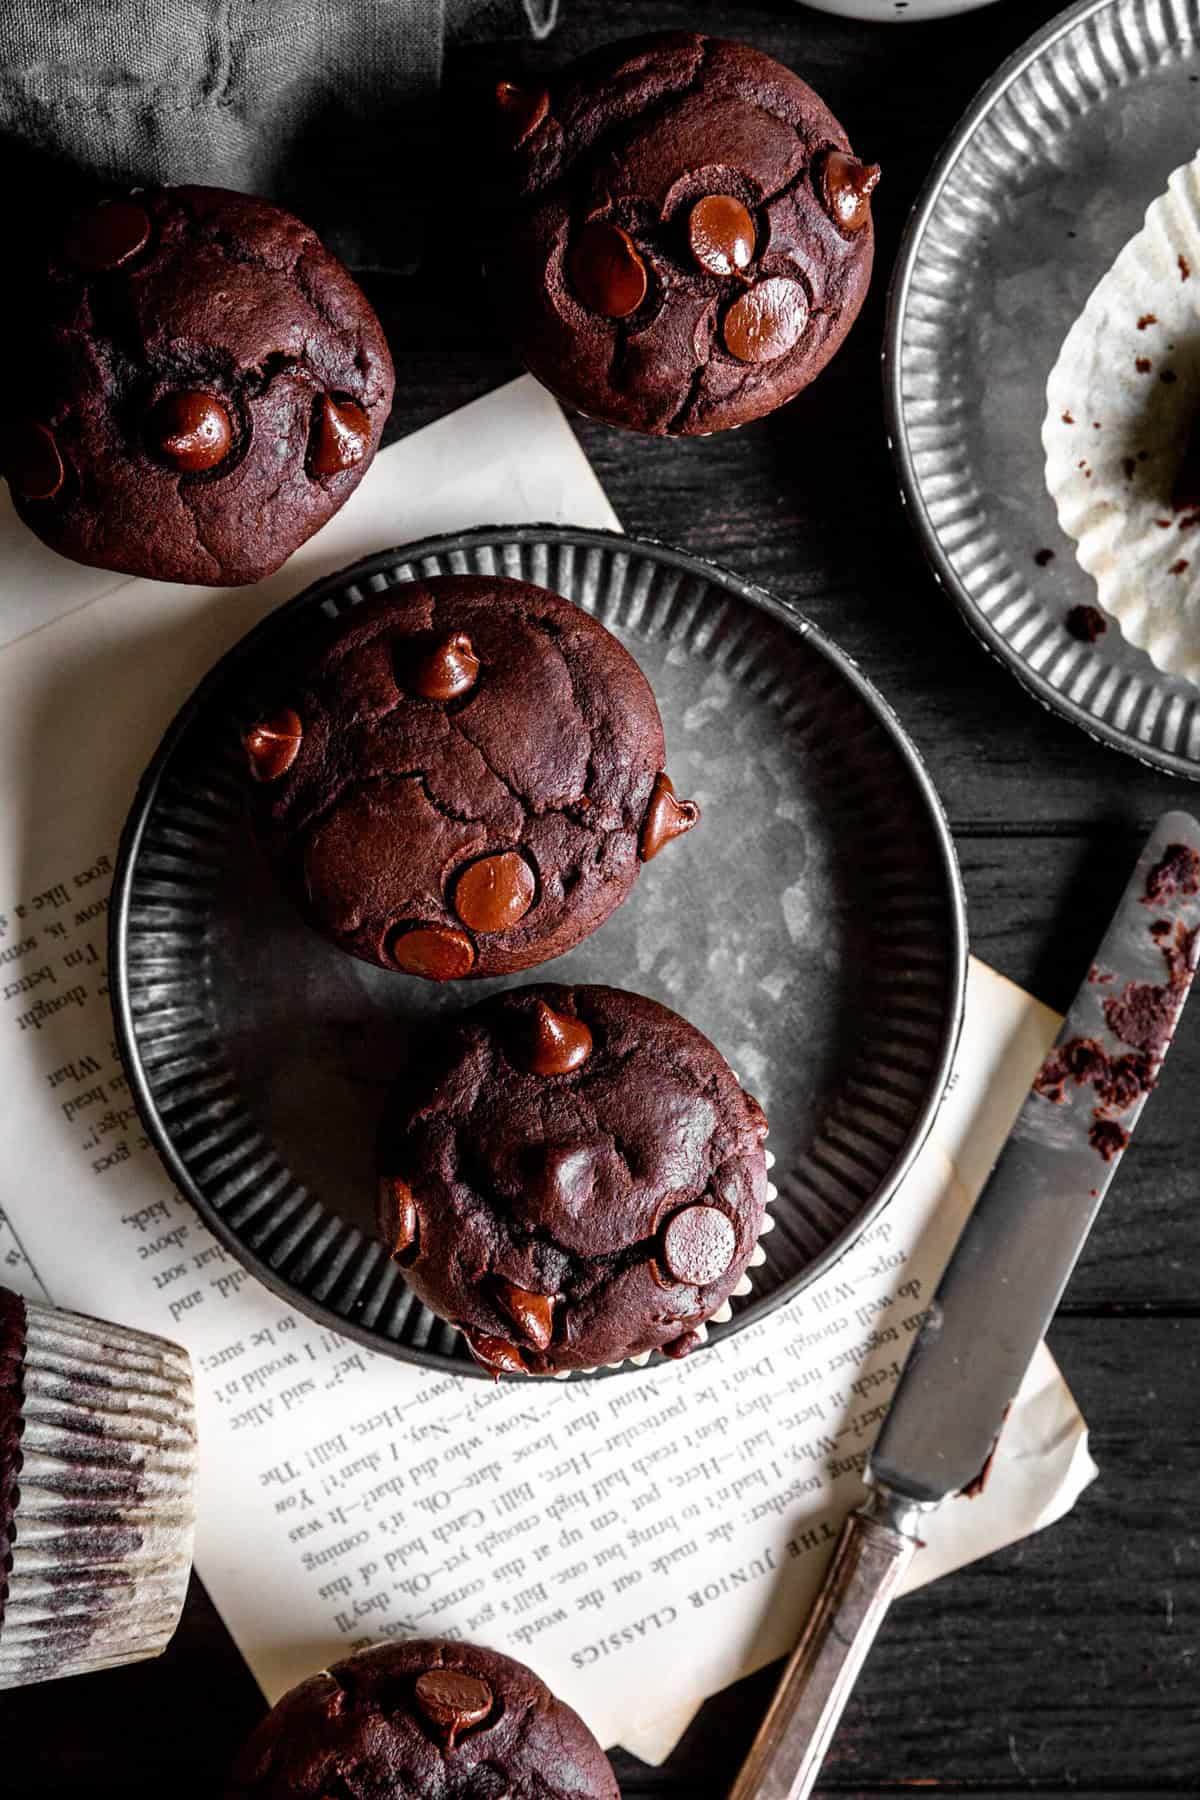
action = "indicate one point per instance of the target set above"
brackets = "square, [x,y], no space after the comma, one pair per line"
[423,1720]
[688,236]
[576,1179]
[463,778]
[205,387]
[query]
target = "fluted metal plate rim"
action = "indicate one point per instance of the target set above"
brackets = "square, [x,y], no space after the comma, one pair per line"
[1119,697]
[317,1255]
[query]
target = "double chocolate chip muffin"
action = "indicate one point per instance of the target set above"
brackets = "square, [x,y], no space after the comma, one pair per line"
[689,235]
[576,1179]
[205,387]
[423,1720]
[463,779]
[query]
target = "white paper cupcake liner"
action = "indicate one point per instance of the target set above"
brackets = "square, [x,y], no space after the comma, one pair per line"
[1120,404]
[105,1512]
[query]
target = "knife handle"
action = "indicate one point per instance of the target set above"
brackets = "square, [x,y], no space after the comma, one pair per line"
[875,1548]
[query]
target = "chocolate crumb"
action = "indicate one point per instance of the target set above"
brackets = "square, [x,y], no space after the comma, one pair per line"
[1164,524]
[1143,365]
[1192,519]
[1067,419]
[1185,267]
[1177,568]
[1147,319]
[1144,1015]
[1177,871]
[1107,1137]
[1168,375]
[978,1482]
[1129,466]
[1086,623]
[1042,557]
[1095,425]
[1099,976]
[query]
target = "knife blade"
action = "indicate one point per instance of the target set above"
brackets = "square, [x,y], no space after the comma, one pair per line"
[998,1293]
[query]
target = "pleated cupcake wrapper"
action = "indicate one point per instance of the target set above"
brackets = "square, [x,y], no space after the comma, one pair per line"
[105,1510]
[1120,403]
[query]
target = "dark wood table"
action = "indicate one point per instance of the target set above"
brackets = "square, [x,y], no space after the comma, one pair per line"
[1071,1663]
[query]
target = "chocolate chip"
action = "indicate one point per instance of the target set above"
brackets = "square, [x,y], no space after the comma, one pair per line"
[30,459]
[556,1043]
[606,271]
[699,1244]
[437,952]
[191,429]
[397,1215]
[106,236]
[496,1354]
[766,321]
[341,436]
[665,817]
[846,188]
[273,744]
[519,112]
[453,1701]
[495,892]
[446,672]
[532,1314]
[721,234]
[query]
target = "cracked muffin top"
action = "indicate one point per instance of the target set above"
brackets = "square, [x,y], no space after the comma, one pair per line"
[463,780]
[423,1720]
[205,387]
[577,1178]
[687,238]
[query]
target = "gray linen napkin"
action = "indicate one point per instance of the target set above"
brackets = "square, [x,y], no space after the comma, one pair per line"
[328,106]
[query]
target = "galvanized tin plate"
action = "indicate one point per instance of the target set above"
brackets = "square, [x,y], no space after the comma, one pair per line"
[1046,178]
[812,926]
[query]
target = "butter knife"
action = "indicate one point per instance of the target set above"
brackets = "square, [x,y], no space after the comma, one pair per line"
[998,1294]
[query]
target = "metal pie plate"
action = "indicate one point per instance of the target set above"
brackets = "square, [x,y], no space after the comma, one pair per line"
[812,926]
[1046,178]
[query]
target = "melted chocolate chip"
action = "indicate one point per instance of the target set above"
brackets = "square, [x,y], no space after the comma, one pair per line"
[436,952]
[699,1244]
[191,430]
[665,818]
[446,672]
[453,1701]
[606,271]
[766,321]
[846,186]
[556,1044]
[32,465]
[496,1354]
[721,234]
[532,1314]
[683,1345]
[107,236]
[273,744]
[398,1215]
[519,112]
[341,436]
[495,892]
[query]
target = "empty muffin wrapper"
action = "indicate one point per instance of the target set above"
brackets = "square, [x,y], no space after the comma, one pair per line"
[1120,406]
[103,1503]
